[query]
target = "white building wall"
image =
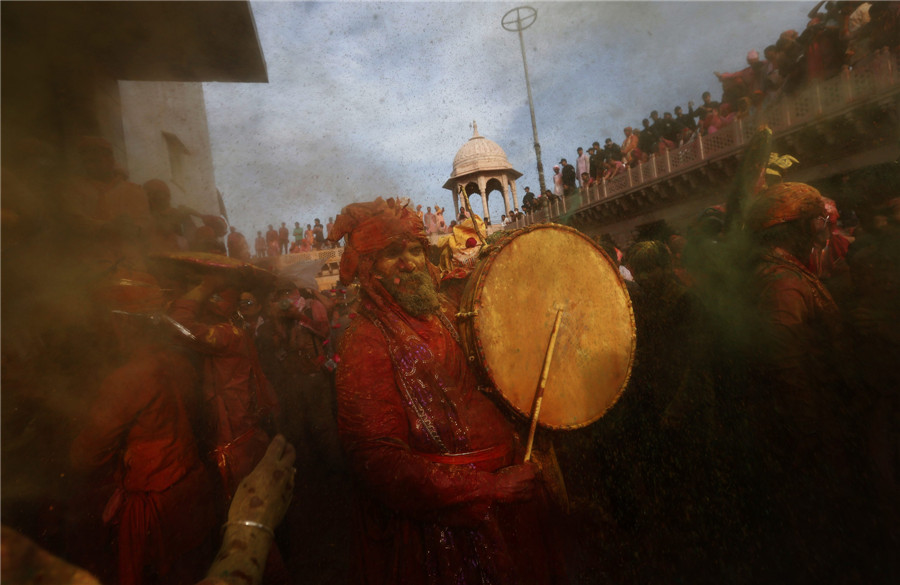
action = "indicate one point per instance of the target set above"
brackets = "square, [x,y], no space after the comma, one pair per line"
[167,137]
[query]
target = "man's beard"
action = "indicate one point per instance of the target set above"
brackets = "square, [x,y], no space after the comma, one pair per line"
[414,292]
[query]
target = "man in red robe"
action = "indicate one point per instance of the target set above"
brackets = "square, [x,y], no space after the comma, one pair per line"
[140,428]
[800,407]
[239,401]
[444,501]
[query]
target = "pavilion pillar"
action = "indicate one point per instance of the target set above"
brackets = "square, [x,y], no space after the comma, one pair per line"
[504,183]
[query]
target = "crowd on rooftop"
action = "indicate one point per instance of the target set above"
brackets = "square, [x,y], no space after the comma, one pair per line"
[838,35]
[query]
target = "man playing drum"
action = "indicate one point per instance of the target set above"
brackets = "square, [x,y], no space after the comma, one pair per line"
[443,500]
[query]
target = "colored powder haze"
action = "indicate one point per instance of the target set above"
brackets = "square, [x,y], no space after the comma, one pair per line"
[367,99]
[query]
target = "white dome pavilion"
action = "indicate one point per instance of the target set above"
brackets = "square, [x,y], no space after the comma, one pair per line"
[481,166]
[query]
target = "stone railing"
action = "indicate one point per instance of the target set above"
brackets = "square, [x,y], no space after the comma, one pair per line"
[872,78]
[329,256]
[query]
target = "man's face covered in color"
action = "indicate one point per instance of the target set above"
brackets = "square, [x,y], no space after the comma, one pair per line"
[401,268]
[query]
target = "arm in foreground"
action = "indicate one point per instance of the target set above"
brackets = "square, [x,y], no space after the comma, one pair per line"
[258,507]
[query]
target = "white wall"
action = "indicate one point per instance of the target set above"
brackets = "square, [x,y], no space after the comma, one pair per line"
[152,109]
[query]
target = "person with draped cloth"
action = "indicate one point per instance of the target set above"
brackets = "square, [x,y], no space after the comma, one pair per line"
[442,500]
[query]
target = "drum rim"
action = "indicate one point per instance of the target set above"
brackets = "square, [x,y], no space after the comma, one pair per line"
[469,304]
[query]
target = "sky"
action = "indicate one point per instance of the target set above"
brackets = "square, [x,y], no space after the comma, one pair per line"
[370,99]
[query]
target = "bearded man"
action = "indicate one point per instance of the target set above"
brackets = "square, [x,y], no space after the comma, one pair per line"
[443,501]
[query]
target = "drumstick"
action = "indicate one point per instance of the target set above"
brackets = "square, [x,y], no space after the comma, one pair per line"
[539,393]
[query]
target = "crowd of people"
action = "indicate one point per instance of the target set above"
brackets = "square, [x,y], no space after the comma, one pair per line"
[759,437]
[159,395]
[161,370]
[756,441]
[276,242]
[838,35]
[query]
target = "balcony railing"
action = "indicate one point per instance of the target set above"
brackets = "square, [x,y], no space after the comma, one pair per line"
[872,78]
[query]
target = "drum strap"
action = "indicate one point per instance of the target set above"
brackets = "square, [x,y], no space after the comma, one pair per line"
[449,327]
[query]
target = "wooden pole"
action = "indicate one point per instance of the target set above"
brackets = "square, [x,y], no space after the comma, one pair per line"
[539,393]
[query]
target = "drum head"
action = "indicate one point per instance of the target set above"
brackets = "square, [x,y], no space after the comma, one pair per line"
[515,293]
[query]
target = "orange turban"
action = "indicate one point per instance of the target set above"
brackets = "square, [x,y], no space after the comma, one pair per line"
[783,203]
[369,228]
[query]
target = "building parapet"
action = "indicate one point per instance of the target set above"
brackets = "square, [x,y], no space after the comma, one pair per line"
[874,79]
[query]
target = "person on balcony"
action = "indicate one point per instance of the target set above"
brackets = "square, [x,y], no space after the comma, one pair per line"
[528,199]
[706,107]
[611,150]
[328,227]
[628,146]
[284,237]
[272,241]
[595,166]
[260,244]
[557,181]
[686,120]
[613,168]
[648,141]
[318,234]
[586,182]
[568,177]
[582,165]
[660,128]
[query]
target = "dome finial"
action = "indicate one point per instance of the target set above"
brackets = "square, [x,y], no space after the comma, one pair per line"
[474,129]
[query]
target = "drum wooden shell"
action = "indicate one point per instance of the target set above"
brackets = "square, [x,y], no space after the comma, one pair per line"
[507,313]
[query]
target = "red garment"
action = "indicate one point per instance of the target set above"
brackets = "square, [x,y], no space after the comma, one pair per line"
[427,521]
[238,398]
[803,330]
[822,262]
[141,421]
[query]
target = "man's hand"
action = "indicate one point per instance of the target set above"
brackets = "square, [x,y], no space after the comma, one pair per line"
[265,494]
[515,483]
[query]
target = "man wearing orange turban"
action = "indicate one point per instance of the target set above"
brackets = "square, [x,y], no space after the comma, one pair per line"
[797,407]
[443,502]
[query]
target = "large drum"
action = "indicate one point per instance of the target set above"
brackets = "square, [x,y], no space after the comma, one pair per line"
[507,314]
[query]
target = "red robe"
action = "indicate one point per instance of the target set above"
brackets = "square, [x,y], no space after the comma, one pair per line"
[141,422]
[427,514]
[238,398]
